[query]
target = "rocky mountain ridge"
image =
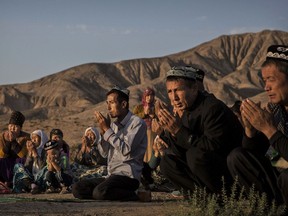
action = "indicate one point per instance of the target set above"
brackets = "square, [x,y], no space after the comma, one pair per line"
[67,99]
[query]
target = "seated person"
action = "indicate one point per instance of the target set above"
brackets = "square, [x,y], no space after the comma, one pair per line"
[57,135]
[58,177]
[124,144]
[26,177]
[88,162]
[200,134]
[262,161]
[12,147]
[146,111]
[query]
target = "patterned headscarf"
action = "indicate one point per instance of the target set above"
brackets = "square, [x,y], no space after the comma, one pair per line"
[147,92]
[96,133]
[44,139]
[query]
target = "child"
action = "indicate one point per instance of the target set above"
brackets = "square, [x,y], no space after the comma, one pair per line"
[58,178]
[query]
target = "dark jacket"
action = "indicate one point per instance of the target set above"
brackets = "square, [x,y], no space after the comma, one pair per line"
[210,126]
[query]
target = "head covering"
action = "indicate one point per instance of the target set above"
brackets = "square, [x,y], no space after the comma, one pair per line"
[277,52]
[50,145]
[147,91]
[56,132]
[96,133]
[44,139]
[123,90]
[186,72]
[17,118]
[200,75]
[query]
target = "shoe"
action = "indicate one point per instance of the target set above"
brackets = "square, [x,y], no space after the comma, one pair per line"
[144,195]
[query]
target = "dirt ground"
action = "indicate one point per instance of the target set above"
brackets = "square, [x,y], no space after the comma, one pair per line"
[65,204]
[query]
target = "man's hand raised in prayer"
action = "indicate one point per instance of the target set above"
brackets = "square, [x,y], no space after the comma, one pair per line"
[103,122]
[259,118]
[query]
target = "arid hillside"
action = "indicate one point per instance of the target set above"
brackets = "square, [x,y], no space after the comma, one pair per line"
[67,99]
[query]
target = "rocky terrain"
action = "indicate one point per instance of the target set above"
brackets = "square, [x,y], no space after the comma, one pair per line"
[67,99]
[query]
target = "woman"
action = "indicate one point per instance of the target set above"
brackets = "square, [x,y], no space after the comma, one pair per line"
[146,111]
[88,162]
[12,147]
[27,177]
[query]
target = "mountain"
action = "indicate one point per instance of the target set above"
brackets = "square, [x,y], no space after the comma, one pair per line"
[67,99]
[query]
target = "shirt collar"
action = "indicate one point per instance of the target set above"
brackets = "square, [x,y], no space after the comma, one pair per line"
[124,121]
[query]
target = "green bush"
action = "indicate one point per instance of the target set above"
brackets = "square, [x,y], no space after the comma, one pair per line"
[234,203]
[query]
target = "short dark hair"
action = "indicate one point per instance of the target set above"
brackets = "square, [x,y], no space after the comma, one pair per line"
[281,65]
[120,96]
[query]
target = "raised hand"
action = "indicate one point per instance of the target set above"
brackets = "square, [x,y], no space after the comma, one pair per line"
[103,122]
[259,118]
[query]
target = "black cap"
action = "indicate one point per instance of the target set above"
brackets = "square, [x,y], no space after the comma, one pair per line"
[17,118]
[277,52]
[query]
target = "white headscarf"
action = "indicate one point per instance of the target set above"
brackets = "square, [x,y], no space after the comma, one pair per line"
[96,133]
[44,139]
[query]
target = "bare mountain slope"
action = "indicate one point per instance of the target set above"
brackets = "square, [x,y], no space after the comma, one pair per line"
[67,99]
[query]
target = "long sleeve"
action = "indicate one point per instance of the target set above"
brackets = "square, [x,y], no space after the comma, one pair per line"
[211,126]
[280,142]
[124,144]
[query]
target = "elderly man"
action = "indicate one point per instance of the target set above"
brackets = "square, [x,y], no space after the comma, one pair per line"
[264,128]
[12,146]
[200,133]
[124,144]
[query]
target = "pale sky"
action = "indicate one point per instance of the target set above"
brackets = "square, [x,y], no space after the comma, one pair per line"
[42,37]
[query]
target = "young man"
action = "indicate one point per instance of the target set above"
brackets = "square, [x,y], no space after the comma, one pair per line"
[200,133]
[264,127]
[124,144]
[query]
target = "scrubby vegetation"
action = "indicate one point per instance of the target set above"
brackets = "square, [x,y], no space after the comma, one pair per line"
[234,203]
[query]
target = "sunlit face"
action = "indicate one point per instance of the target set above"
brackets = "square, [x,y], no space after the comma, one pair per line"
[181,96]
[36,139]
[91,136]
[14,129]
[276,84]
[115,108]
[149,99]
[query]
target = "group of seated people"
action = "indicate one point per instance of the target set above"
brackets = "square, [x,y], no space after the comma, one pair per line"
[196,140]
[35,163]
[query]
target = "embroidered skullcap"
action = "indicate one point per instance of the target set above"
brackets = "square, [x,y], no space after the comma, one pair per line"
[123,90]
[186,72]
[17,118]
[277,52]
[50,145]
[57,132]
[200,75]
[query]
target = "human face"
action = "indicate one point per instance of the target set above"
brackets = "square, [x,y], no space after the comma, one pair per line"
[115,108]
[53,152]
[181,96]
[15,129]
[56,137]
[149,99]
[36,139]
[276,84]
[91,136]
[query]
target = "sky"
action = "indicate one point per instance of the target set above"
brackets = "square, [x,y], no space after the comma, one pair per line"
[43,37]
